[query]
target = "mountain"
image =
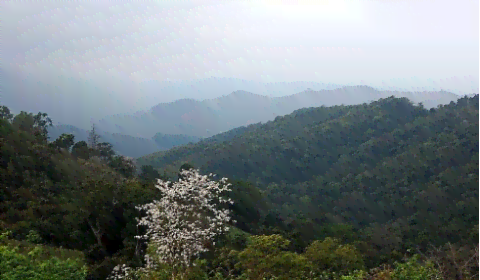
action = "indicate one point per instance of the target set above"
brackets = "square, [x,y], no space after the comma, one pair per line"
[307,141]
[126,145]
[240,108]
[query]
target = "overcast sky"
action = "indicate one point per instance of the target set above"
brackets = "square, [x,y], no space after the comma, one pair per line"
[106,57]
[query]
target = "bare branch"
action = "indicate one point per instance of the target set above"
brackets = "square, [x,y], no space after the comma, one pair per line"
[475,254]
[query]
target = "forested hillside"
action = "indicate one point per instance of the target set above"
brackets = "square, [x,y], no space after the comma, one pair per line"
[385,190]
[306,143]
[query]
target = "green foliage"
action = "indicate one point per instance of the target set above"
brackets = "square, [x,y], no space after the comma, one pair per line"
[148,174]
[123,165]
[330,255]
[65,141]
[35,124]
[81,150]
[33,237]
[5,113]
[251,207]
[414,270]
[236,238]
[36,264]
[356,275]
[266,257]
[16,266]
[105,150]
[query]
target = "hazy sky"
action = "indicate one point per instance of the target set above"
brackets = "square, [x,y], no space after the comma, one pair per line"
[96,58]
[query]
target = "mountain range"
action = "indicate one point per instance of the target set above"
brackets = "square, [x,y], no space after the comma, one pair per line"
[187,120]
[209,117]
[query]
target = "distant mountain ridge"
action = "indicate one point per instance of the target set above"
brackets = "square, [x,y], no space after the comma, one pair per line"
[126,145]
[209,117]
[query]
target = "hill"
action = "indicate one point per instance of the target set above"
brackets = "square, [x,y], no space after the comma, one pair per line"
[288,138]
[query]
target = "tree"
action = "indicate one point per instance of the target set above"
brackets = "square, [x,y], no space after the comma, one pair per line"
[266,257]
[105,151]
[24,121]
[65,141]
[148,173]
[36,124]
[81,150]
[413,269]
[329,254]
[5,113]
[93,138]
[41,122]
[123,165]
[185,221]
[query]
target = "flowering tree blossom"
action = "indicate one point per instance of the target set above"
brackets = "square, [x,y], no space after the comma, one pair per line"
[184,220]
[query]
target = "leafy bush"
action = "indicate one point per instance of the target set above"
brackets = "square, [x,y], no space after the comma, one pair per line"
[414,270]
[266,256]
[33,265]
[330,255]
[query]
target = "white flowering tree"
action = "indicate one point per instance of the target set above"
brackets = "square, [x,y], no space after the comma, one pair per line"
[183,221]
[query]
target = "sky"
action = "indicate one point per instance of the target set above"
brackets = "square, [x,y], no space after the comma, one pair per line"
[78,60]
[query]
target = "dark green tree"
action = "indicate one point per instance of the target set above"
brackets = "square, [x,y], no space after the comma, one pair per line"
[148,174]
[81,150]
[5,113]
[41,124]
[35,124]
[105,151]
[123,165]
[64,141]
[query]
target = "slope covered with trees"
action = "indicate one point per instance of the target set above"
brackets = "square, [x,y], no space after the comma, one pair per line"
[295,147]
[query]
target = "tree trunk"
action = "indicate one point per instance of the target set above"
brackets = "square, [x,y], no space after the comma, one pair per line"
[98,236]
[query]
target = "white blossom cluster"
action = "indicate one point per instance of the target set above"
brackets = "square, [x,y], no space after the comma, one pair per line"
[121,272]
[184,220]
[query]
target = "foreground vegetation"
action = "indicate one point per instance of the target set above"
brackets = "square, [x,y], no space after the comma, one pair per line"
[23,260]
[386,190]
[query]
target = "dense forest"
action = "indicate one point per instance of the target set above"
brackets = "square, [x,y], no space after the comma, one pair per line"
[385,190]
